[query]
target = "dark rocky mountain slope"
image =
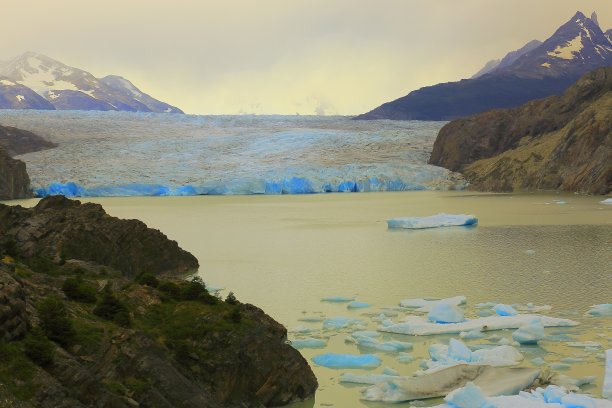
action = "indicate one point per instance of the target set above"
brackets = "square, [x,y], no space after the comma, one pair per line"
[558,143]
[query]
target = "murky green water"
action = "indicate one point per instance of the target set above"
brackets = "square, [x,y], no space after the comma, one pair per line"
[284,253]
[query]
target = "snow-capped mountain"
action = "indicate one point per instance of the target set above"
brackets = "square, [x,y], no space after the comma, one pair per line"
[508,59]
[577,47]
[68,88]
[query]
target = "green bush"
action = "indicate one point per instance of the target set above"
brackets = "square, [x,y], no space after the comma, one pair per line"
[10,248]
[148,279]
[111,308]
[38,347]
[43,264]
[54,321]
[236,315]
[170,289]
[77,290]
[231,299]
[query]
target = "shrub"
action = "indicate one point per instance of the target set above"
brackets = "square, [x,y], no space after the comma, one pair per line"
[10,248]
[171,289]
[231,299]
[111,308]
[193,289]
[148,279]
[38,347]
[43,264]
[54,321]
[235,315]
[76,289]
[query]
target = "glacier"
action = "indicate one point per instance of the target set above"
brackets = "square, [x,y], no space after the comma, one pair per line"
[148,154]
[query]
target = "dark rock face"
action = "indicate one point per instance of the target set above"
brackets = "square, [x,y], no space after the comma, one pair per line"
[13,316]
[540,70]
[14,180]
[558,143]
[59,227]
[18,141]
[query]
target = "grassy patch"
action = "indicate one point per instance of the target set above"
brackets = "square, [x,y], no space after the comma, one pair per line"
[16,371]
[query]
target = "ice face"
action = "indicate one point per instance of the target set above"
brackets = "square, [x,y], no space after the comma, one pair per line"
[434,221]
[530,333]
[347,360]
[121,153]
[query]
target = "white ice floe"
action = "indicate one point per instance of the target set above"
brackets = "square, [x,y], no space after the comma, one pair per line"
[332,360]
[433,221]
[607,201]
[471,335]
[357,305]
[366,378]
[340,322]
[338,299]
[607,382]
[472,396]
[417,325]
[530,333]
[504,310]
[405,358]
[309,342]
[603,310]
[585,344]
[371,343]
[446,313]
[425,305]
[491,380]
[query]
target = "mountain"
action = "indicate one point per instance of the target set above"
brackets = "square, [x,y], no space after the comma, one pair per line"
[558,143]
[18,141]
[577,47]
[609,34]
[508,59]
[62,87]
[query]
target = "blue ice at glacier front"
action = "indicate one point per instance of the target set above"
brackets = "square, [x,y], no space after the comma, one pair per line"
[127,153]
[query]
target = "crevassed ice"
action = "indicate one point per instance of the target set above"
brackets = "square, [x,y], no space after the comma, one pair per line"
[126,153]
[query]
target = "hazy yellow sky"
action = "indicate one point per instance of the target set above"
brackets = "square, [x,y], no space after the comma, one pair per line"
[282,56]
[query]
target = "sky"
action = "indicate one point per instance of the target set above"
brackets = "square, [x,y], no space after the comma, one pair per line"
[282,56]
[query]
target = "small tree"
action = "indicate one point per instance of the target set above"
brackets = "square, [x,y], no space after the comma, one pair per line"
[76,289]
[111,308]
[54,321]
[38,347]
[231,299]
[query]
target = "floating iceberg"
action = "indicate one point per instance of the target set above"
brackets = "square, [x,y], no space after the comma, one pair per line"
[474,396]
[340,322]
[471,335]
[446,313]
[491,380]
[347,360]
[366,378]
[434,221]
[603,310]
[309,342]
[416,325]
[607,382]
[530,333]
[357,305]
[504,310]
[458,353]
[372,343]
[338,299]
[425,305]
[607,201]
[405,358]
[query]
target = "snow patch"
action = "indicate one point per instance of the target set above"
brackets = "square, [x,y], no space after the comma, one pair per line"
[568,50]
[20,97]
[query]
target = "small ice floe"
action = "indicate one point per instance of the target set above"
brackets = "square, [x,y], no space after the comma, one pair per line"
[434,221]
[311,318]
[560,202]
[550,397]
[603,310]
[491,380]
[390,371]
[471,335]
[338,299]
[569,383]
[458,353]
[309,342]
[446,313]
[340,322]
[372,343]
[530,333]
[332,360]
[416,325]
[607,382]
[559,366]
[572,360]
[357,305]
[405,358]
[366,378]
[531,308]
[301,330]
[585,344]
[504,310]
[425,305]
[607,201]
[530,252]
[538,361]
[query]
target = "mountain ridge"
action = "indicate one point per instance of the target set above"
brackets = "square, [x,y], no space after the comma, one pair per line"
[35,81]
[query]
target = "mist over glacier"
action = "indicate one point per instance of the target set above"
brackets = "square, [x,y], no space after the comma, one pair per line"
[125,154]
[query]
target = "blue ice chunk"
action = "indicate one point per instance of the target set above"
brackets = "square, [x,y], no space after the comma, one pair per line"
[446,313]
[572,400]
[69,190]
[505,310]
[348,187]
[390,371]
[387,346]
[458,351]
[469,396]
[340,322]
[332,360]
[297,185]
[437,352]
[308,343]
[185,191]
[357,305]
[603,310]
[553,393]
[434,221]
[530,333]
[337,299]
[273,188]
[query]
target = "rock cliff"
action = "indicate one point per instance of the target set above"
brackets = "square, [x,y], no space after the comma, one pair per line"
[14,180]
[557,143]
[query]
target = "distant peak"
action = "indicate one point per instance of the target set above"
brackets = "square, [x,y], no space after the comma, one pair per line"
[594,19]
[579,16]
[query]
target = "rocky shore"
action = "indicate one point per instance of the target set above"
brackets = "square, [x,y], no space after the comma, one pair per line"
[558,143]
[93,314]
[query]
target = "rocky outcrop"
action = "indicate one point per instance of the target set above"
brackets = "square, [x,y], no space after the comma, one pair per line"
[13,317]
[557,143]
[18,141]
[61,228]
[14,179]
